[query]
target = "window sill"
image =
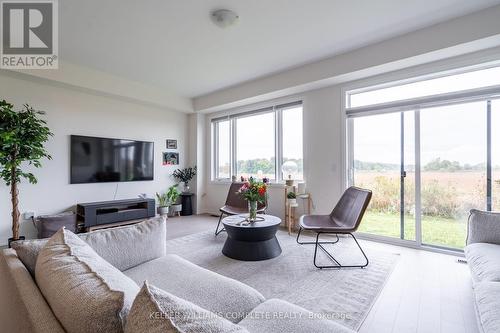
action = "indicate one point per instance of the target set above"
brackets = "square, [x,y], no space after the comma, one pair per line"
[227,182]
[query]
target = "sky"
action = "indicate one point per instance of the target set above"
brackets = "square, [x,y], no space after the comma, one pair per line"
[455,133]
[255,136]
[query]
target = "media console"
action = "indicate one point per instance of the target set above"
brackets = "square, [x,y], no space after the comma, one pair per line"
[93,214]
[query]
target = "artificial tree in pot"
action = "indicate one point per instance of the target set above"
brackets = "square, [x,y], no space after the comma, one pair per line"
[22,138]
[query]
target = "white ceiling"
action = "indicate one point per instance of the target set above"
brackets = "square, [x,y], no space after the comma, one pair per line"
[173,45]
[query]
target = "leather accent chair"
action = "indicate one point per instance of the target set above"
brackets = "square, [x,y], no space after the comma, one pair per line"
[236,204]
[344,219]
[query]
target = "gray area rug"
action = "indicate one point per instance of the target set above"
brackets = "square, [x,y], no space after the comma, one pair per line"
[345,296]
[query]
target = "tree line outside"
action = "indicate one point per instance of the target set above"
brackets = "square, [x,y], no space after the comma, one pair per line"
[258,166]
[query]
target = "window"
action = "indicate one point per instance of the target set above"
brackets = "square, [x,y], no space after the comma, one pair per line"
[223,150]
[292,142]
[258,143]
[255,146]
[441,85]
[428,160]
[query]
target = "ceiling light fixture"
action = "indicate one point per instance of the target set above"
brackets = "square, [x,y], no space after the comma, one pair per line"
[224,18]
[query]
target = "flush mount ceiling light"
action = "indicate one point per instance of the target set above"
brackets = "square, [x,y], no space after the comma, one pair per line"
[224,18]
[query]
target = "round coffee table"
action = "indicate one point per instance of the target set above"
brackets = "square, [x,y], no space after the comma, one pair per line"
[251,242]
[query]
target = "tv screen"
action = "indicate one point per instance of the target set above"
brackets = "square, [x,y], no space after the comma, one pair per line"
[97,160]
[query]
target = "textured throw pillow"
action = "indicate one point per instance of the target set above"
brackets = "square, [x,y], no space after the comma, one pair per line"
[156,311]
[140,242]
[27,251]
[85,292]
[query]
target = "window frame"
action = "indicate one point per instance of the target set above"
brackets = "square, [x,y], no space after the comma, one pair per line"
[277,110]
[484,94]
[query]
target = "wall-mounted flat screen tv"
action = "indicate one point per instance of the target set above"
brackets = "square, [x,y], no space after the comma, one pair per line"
[98,160]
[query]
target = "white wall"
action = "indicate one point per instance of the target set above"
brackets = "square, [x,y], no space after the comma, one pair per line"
[75,112]
[322,156]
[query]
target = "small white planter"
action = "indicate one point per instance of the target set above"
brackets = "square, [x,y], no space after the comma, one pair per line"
[175,209]
[162,211]
[292,201]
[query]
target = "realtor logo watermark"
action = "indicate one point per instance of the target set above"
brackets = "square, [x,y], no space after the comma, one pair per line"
[29,35]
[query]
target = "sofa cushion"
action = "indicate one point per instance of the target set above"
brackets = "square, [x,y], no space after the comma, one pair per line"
[140,242]
[277,316]
[27,251]
[484,261]
[227,297]
[156,311]
[85,292]
[483,227]
[487,295]
[37,317]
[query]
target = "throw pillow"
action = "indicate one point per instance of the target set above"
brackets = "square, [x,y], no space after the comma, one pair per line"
[85,292]
[157,311]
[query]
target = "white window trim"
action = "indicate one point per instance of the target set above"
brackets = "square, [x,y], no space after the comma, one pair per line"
[277,109]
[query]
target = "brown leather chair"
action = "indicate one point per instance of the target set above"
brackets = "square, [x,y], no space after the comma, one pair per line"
[344,219]
[236,204]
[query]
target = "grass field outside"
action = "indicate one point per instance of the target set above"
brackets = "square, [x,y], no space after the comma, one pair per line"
[435,230]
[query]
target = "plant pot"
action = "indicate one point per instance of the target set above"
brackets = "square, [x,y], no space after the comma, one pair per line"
[162,211]
[175,209]
[12,240]
[292,201]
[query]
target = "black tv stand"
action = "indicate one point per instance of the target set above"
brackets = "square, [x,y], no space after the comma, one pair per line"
[93,214]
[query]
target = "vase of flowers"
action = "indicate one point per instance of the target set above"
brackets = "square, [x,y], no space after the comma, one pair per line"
[254,192]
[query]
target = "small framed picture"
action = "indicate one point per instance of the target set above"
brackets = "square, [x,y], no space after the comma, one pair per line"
[170,158]
[171,144]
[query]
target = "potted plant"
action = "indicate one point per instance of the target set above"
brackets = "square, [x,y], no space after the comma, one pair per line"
[185,175]
[22,138]
[162,202]
[172,195]
[292,198]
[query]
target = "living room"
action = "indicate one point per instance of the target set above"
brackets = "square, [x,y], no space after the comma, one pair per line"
[307,166]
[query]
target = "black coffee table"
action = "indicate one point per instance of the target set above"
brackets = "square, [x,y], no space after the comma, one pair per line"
[251,242]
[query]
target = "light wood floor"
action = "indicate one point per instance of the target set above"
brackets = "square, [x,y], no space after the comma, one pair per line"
[427,292]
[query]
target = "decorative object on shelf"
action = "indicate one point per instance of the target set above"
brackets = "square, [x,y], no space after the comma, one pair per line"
[301,188]
[162,202]
[170,158]
[289,169]
[291,207]
[292,198]
[172,196]
[253,192]
[171,144]
[185,175]
[22,139]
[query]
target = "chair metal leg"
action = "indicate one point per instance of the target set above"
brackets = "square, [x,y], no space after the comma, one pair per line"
[337,264]
[217,230]
[301,243]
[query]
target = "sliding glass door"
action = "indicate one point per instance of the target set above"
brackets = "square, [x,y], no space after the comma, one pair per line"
[453,148]
[383,160]
[495,154]
[458,152]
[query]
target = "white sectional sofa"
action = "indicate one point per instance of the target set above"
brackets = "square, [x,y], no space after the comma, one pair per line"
[138,251]
[483,257]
